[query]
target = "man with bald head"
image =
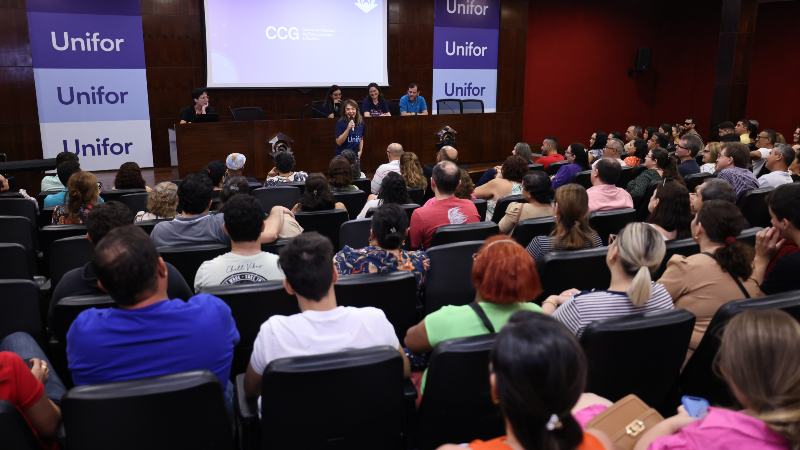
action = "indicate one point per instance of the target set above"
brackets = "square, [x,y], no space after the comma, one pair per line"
[446,153]
[446,210]
[393,152]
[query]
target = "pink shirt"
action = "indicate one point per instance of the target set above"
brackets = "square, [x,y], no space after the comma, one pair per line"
[723,429]
[608,196]
[432,200]
[450,211]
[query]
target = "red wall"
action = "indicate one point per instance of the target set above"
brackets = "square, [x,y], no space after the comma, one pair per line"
[773,97]
[578,53]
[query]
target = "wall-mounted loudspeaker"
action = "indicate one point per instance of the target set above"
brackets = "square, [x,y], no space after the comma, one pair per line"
[643,57]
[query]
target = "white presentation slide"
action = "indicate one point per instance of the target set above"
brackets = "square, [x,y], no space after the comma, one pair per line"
[290,43]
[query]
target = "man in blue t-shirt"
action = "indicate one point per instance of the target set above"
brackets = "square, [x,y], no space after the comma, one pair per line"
[64,171]
[412,104]
[147,334]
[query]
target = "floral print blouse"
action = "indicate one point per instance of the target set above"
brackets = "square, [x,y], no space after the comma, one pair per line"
[61,215]
[374,259]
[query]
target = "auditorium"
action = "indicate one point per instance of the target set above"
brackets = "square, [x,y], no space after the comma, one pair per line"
[399,224]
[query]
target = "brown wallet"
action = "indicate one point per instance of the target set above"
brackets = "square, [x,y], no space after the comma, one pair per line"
[625,421]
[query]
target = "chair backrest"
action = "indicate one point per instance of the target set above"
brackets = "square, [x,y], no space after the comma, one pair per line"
[115,194]
[624,177]
[298,184]
[274,246]
[449,276]
[303,111]
[317,109]
[502,205]
[448,106]
[528,229]
[394,293]
[584,178]
[19,309]
[753,203]
[394,106]
[247,114]
[67,310]
[136,202]
[52,233]
[42,195]
[364,184]
[282,195]
[553,167]
[188,258]
[15,429]
[67,254]
[748,236]
[148,413]
[481,206]
[621,355]
[579,269]
[637,171]
[696,179]
[643,212]
[535,166]
[251,305]
[23,208]
[253,185]
[358,392]
[417,195]
[354,201]
[327,223]
[148,225]
[698,378]
[457,405]
[478,231]
[46,215]
[611,221]
[471,106]
[17,230]
[409,208]
[355,233]
[10,268]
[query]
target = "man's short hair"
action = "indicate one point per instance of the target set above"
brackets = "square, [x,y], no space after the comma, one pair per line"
[413,85]
[693,143]
[553,141]
[284,162]
[772,135]
[125,261]
[445,157]
[693,119]
[787,152]
[104,217]
[637,130]
[194,193]
[66,156]
[307,262]
[197,92]
[661,139]
[716,189]
[752,127]
[616,144]
[66,169]
[244,218]
[446,175]
[739,152]
[784,202]
[608,170]
[730,137]
[727,126]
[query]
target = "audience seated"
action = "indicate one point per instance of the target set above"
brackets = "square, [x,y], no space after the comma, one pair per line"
[82,196]
[758,360]
[355,163]
[83,281]
[283,172]
[538,373]
[795,167]
[393,152]
[216,172]
[572,231]
[317,196]
[578,160]
[522,150]
[658,140]
[710,155]
[148,334]
[235,164]
[446,153]
[194,225]
[129,176]
[245,263]
[411,171]
[633,257]
[322,326]
[604,194]
[659,165]
[732,167]
[162,203]
[712,189]
[613,149]
[637,153]
[778,162]
[538,193]
[697,285]
[784,208]
[464,191]
[447,210]
[340,175]
[506,281]
[508,182]
[389,230]
[597,143]
[549,152]
[233,185]
[393,190]
[686,152]
[65,171]
[670,210]
[51,183]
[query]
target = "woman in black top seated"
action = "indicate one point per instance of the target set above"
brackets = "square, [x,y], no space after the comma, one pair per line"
[333,102]
[200,107]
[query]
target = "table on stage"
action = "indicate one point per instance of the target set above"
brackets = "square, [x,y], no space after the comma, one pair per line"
[481,138]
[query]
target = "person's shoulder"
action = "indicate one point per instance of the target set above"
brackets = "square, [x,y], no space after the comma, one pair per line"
[201,300]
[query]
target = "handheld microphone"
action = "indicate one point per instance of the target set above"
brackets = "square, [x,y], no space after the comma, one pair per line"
[352,119]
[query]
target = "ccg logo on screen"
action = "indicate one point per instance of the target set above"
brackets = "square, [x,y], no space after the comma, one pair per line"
[366,5]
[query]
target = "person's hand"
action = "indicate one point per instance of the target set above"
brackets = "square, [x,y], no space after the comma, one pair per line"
[768,243]
[497,168]
[40,370]
[569,293]
[359,154]
[284,211]
[3,184]
[351,124]
[682,412]
[273,172]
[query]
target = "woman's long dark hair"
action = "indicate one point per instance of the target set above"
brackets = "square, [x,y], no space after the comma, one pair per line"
[600,140]
[667,163]
[380,93]
[352,158]
[540,371]
[721,220]
[581,155]
[641,150]
[329,99]
[317,196]
[393,190]
[673,212]
[389,225]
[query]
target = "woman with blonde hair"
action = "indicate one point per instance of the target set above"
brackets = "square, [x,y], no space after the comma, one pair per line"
[633,257]
[758,360]
[162,203]
[411,171]
[82,194]
[572,231]
[710,155]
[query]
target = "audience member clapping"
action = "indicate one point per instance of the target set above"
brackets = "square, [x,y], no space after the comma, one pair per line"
[317,196]
[632,258]
[393,191]
[659,165]
[784,208]
[578,160]
[508,182]
[604,194]
[129,176]
[283,172]
[83,195]
[411,171]
[162,203]
[538,193]
[670,210]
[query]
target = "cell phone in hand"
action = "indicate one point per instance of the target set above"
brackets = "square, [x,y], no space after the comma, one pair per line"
[29,362]
[695,406]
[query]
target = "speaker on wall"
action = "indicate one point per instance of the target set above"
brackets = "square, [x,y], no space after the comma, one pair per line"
[643,57]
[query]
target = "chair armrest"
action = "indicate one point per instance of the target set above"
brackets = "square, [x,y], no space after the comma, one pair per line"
[246,407]
[409,391]
[42,283]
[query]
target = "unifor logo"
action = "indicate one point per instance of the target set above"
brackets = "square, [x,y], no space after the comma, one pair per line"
[366,5]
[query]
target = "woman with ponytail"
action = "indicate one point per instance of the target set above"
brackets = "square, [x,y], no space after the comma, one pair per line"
[537,375]
[758,360]
[572,231]
[722,272]
[317,196]
[632,258]
[82,194]
[659,165]
[389,230]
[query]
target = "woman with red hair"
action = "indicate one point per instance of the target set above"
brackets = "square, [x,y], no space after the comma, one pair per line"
[505,278]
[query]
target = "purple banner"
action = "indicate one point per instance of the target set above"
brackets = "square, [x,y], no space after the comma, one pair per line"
[467,13]
[465,48]
[66,41]
[114,7]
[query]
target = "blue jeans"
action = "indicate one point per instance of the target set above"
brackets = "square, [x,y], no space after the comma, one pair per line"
[26,347]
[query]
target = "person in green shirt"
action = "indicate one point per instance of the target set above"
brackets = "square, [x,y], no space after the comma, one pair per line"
[53,183]
[505,278]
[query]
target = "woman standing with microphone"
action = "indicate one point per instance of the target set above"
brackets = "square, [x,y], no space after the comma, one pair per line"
[350,130]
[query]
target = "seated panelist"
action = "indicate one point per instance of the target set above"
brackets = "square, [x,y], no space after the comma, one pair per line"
[349,132]
[190,113]
[412,104]
[333,102]
[375,105]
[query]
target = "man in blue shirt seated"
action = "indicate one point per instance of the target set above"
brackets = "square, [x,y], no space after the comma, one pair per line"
[64,170]
[147,334]
[412,104]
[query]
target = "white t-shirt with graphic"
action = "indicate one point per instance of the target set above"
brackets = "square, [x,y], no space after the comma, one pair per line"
[231,268]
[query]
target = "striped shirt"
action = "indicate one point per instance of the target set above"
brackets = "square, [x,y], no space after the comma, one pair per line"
[741,179]
[582,309]
[542,245]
